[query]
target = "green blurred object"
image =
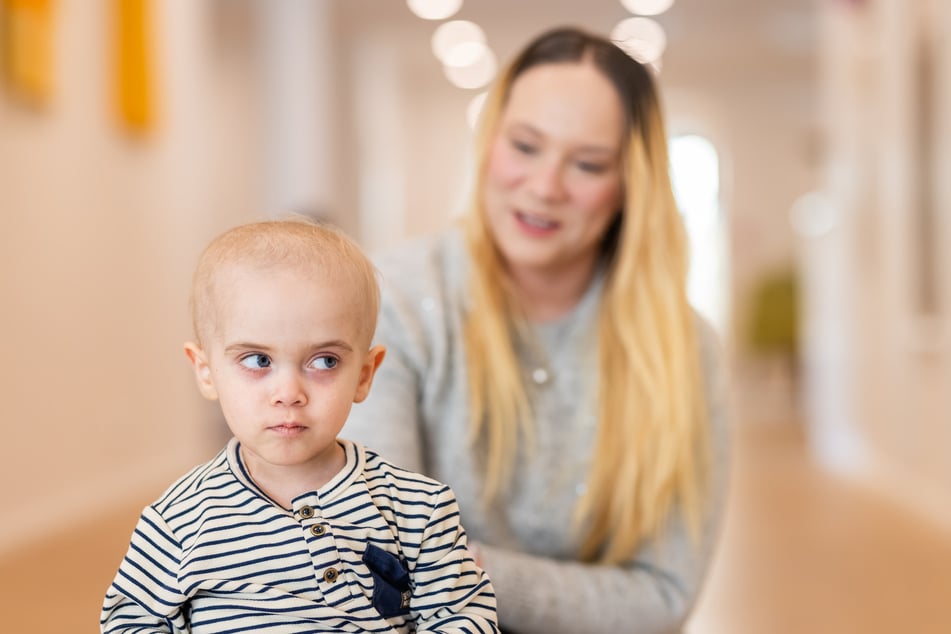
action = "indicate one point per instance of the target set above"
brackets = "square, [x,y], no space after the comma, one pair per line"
[774,323]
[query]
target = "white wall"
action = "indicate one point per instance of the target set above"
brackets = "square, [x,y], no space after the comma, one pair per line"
[888,422]
[756,98]
[99,231]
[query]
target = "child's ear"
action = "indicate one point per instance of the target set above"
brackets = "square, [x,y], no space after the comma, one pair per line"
[202,370]
[373,360]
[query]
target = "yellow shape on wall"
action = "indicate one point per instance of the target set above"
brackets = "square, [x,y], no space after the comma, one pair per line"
[134,72]
[26,49]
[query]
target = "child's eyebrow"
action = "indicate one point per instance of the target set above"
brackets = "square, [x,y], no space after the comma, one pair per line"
[319,345]
[334,343]
[244,344]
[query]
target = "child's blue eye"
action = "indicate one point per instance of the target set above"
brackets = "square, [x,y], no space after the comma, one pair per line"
[256,361]
[325,363]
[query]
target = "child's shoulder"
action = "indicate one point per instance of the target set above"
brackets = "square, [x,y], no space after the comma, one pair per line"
[194,483]
[406,485]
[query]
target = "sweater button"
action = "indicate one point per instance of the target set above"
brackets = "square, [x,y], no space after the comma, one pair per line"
[307,512]
[540,376]
[317,530]
[330,575]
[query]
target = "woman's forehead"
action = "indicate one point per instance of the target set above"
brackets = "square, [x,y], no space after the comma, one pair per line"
[571,100]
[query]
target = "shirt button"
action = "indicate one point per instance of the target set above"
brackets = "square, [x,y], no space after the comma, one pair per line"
[540,376]
[317,530]
[307,512]
[330,575]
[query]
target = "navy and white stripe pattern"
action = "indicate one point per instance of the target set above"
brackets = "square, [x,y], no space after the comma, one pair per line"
[215,554]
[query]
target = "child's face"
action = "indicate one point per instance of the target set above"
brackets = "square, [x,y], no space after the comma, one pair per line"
[287,359]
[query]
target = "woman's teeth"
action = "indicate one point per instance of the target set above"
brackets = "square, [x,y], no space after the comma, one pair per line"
[535,221]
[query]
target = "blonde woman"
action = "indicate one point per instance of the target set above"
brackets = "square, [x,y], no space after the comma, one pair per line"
[543,359]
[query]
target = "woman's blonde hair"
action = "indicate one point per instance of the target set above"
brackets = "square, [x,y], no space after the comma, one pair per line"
[652,445]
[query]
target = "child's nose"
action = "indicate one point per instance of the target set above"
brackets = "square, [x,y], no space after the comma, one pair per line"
[288,390]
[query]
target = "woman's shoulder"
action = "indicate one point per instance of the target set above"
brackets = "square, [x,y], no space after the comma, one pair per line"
[423,256]
[423,271]
[422,291]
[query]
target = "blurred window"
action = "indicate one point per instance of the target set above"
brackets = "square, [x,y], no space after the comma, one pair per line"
[695,173]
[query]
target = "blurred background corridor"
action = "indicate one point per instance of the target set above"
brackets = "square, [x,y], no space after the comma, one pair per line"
[811,149]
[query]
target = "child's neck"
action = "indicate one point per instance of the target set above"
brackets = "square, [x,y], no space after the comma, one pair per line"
[284,483]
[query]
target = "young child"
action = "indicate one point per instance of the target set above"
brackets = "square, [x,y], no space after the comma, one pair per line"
[289,528]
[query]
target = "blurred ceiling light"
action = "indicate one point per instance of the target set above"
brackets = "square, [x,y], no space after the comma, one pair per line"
[466,54]
[641,38]
[477,73]
[474,109]
[449,35]
[434,9]
[647,7]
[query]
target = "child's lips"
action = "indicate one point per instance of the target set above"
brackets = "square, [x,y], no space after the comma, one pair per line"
[287,428]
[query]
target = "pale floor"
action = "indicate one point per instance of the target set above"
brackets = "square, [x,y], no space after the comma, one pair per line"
[802,552]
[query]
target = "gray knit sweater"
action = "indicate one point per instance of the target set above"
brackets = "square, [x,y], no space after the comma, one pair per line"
[417,416]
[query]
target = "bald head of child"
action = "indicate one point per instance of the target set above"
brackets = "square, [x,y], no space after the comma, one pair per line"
[317,253]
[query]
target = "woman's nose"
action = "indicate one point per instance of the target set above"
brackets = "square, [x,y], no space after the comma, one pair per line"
[547,181]
[288,390]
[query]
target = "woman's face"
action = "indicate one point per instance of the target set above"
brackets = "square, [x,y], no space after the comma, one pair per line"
[553,180]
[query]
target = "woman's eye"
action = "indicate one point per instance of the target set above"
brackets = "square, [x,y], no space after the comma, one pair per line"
[325,363]
[591,168]
[256,361]
[524,148]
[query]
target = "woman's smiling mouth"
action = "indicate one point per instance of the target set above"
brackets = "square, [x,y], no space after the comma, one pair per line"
[535,224]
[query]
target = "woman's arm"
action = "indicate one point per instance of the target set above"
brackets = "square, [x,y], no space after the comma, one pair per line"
[656,591]
[539,595]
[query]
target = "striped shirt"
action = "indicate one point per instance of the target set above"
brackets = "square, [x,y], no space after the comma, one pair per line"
[376,549]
